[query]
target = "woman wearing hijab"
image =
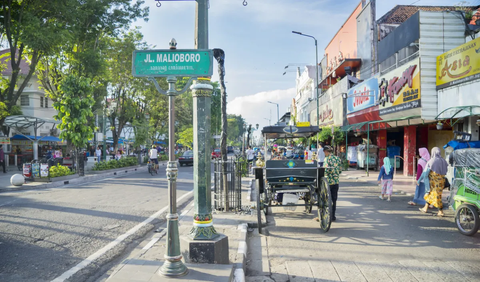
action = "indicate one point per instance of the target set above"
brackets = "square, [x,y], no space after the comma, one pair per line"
[386,178]
[434,178]
[420,190]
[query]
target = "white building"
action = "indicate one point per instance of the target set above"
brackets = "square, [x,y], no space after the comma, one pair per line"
[305,85]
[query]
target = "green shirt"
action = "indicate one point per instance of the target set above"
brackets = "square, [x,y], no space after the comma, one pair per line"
[333,169]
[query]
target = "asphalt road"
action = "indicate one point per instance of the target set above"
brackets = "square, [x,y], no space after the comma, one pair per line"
[372,240]
[46,234]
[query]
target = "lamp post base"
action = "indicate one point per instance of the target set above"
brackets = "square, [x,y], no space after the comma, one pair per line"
[173,267]
[212,251]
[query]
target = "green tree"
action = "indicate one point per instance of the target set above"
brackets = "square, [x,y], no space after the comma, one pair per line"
[74,110]
[32,30]
[186,137]
[123,88]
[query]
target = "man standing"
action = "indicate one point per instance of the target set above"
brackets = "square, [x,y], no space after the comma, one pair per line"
[2,158]
[98,153]
[320,155]
[332,173]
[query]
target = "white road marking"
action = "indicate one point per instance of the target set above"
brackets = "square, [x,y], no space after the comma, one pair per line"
[112,244]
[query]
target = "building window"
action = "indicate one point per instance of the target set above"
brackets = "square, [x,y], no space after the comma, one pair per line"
[24,100]
[46,102]
[41,102]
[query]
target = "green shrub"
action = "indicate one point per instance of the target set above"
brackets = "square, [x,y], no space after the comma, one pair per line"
[59,170]
[112,164]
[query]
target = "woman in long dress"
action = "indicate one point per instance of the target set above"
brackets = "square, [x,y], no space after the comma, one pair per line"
[434,178]
[420,189]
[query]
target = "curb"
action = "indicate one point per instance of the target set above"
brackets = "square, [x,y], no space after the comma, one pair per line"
[78,180]
[239,272]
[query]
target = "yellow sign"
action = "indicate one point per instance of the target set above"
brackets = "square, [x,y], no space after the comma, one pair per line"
[303,124]
[400,89]
[459,65]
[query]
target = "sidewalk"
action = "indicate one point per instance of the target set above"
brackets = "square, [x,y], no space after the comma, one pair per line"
[6,186]
[401,184]
[144,263]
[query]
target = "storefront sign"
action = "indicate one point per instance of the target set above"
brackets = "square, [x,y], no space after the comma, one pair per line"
[362,96]
[400,89]
[331,112]
[303,124]
[4,140]
[459,65]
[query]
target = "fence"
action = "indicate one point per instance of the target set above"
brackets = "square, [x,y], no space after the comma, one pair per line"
[233,196]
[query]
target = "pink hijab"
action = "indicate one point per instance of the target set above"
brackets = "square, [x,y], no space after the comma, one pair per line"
[425,157]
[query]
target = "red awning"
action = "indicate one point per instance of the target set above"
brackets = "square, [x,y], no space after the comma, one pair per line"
[368,114]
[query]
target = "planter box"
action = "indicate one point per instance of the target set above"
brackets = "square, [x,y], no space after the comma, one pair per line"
[57,179]
[122,169]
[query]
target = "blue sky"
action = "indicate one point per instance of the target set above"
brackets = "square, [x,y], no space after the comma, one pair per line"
[258,42]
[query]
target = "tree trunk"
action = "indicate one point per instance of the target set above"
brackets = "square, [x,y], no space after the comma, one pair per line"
[219,55]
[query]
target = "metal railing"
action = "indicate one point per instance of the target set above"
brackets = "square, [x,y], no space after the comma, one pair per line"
[230,196]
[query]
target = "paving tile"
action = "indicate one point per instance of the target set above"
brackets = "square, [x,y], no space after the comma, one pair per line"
[397,272]
[323,270]
[299,271]
[373,271]
[348,271]
[418,269]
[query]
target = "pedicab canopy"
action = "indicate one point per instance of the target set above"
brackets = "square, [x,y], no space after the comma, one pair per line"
[465,157]
[290,131]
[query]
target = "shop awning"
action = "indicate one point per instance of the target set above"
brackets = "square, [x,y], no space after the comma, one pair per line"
[457,110]
[340,72]
[31,137]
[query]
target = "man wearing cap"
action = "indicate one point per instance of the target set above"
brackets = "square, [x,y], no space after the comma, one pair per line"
[332,173]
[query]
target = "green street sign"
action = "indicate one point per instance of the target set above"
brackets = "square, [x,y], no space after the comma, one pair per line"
[175,62]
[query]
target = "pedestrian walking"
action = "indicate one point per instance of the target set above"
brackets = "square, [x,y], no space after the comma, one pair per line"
[2,158]
[434,178]
[420,189]
[333,170]
[98,153]
[385,177]
[320,155]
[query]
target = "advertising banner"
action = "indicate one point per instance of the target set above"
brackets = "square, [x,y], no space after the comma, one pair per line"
[459,65]
[44,170]
[363,95]
[36,170]
[399,90]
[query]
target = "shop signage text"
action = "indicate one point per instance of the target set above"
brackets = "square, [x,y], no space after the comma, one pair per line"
[459,65]
[400,89]
[176,62]
[326,114]
[363,95]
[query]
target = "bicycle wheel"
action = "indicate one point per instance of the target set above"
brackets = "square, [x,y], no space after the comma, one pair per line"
[324,205]
[150,169]
[467,219]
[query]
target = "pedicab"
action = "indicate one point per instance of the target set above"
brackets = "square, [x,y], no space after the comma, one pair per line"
[466,189]
[292,177]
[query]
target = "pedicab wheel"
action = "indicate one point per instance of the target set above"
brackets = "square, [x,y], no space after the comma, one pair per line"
[324,205]
[467,219]
[259,208]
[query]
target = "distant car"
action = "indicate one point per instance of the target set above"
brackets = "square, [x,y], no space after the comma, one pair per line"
[230,149]
[216,154]
[186,158]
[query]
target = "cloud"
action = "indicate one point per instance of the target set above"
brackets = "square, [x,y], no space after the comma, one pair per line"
[255,108]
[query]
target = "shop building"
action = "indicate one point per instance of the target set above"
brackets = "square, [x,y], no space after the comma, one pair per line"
[458,86]
[305,87]
[402,112]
